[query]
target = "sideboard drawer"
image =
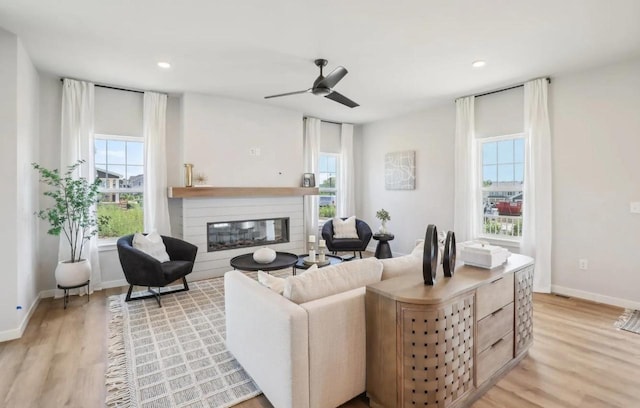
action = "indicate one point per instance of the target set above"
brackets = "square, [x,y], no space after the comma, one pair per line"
[494,327]
[493,358]
[494,295]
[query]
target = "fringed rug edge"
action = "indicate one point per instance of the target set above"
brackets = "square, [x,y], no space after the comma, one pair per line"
[116,377]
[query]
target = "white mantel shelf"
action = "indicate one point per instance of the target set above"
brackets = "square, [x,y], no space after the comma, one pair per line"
[199,192]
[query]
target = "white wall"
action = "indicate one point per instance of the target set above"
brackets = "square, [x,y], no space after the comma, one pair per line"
[8,182]
[431,135]
[26,182]
[19,130]
[595,117]
[50,89]
[219,132]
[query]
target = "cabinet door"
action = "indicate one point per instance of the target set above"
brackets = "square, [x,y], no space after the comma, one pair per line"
[437,352]
[524,309]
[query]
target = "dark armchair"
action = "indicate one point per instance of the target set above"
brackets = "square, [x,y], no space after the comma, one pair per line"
[141,269]
[347,244]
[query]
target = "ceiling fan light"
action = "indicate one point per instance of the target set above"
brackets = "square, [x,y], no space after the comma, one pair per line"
[479,64]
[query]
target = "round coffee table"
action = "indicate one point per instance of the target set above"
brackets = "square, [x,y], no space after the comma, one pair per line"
[383,250]
[246,263]
[333,260]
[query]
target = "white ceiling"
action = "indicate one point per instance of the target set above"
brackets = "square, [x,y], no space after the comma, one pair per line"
[401,55]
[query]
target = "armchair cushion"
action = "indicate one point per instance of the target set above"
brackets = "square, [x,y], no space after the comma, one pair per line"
[174,270]
[152,245]
[343,229]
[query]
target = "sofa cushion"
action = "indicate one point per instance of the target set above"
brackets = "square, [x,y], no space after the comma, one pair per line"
[345,228]
[274,283]
[332,279]
[394,267]
[151,245]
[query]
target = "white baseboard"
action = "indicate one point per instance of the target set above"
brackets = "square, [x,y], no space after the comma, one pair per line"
[19,331]
[595,297]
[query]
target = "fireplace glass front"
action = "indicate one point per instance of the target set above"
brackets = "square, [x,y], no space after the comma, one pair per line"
[239,234]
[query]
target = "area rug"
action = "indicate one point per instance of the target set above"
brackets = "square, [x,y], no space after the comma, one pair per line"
[174,356]
[629,321]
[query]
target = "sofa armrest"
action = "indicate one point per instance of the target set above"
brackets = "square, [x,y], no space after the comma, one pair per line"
[337,348]
[268,335]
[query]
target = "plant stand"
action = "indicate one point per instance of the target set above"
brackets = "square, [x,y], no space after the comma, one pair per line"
[66,291]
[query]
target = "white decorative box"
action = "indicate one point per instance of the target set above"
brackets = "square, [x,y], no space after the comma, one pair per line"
[482,255]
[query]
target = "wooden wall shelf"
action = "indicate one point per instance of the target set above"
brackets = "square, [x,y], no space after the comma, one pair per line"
[202,192]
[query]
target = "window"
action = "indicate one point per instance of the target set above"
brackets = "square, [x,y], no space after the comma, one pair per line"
[119,164]
[328,177]
[502,169]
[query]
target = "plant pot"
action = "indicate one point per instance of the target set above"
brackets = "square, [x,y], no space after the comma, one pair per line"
[73,273]
[383,228]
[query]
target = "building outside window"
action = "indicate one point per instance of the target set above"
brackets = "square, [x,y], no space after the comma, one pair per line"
[502,170]
[119,164]
[328,167]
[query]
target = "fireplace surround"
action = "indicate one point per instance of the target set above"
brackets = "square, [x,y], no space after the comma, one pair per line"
[227,235]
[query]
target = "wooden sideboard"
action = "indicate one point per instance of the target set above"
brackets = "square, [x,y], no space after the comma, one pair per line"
[444,345]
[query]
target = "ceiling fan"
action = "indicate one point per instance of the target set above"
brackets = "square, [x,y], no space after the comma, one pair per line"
[322,86]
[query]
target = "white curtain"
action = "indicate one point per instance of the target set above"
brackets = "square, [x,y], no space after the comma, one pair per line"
[346,177]
[311,153]
[77,144]
[467,191]
[156,208]
[536,227]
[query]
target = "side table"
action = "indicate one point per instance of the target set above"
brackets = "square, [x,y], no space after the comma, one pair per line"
[66,291]
[383,250]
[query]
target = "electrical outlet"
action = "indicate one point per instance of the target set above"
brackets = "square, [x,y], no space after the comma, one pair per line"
[254,151]
[634,207]
[583,264]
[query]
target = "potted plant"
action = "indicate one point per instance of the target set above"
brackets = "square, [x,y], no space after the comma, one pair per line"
[72,217]
[383,216]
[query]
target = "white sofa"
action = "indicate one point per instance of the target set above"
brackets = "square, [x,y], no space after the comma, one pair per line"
[311,354]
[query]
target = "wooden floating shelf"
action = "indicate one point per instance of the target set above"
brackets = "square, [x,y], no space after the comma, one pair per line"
[200,192]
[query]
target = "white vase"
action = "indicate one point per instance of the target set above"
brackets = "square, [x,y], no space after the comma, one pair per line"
[264,255]
[73,273]
[383,228]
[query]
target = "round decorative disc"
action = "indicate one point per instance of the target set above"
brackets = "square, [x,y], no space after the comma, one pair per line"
[449,257]
[430,257]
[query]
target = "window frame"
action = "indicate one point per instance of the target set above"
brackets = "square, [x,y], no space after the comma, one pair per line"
[335,189]
[506,240]
[109,242]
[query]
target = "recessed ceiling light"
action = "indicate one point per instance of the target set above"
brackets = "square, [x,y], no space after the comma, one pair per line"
[478,64]
[164,65]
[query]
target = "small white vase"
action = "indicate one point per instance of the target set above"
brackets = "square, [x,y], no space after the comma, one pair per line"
[73,273]
[264,255]
[383,228]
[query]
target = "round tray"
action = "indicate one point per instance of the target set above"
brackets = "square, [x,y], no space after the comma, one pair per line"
[308,261]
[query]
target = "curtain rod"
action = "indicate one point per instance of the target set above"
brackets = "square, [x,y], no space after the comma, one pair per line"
[328,121]
[502,89]
[117,88]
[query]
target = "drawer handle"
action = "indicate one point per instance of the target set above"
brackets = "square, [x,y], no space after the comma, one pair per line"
[499,279]
[497,311]
[496,343]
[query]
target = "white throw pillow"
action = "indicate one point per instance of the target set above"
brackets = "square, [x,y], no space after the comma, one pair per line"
[331,280]
[272,282]
[346,228]
[151,245]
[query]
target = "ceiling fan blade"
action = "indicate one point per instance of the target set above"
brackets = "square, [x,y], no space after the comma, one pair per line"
[288,93]
[338,97]
[333,78]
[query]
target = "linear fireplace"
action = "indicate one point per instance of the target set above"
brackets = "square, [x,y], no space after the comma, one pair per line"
[240,234]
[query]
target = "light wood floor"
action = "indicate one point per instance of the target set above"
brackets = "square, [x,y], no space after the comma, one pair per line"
[578,359]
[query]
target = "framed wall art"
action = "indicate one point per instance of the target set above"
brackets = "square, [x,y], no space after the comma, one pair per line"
[400,170]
